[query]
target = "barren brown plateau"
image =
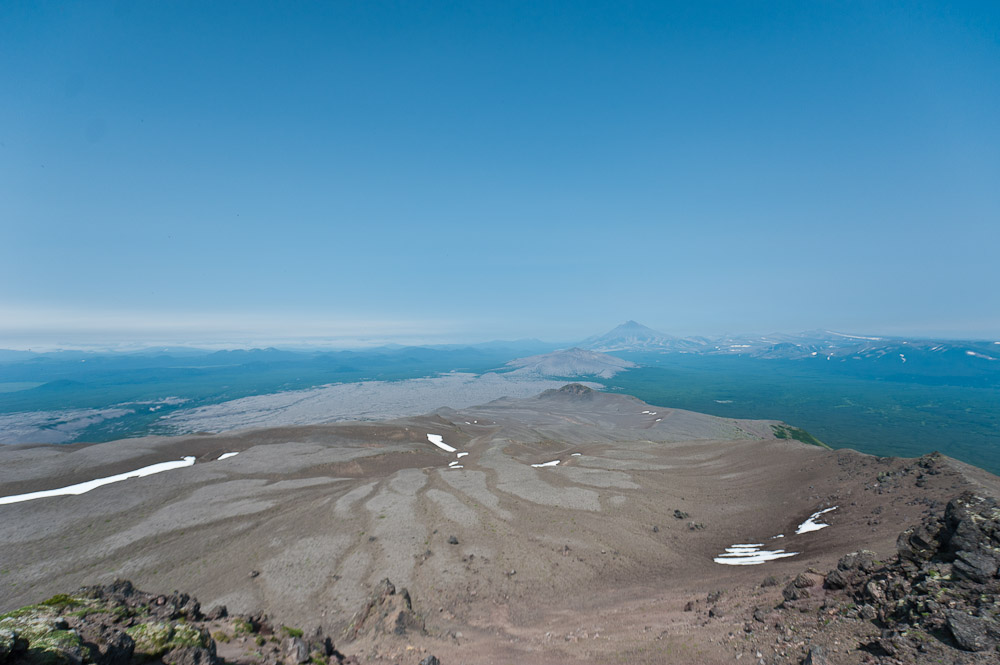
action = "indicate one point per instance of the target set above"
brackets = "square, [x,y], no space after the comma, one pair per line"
[585,561]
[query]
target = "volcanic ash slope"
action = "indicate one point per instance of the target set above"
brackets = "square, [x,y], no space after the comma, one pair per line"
[586,516]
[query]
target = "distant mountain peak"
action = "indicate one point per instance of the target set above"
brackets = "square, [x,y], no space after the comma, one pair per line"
[635,325]
[633,336]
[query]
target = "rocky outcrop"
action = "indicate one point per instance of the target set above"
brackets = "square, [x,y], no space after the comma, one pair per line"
[386,612]
[942,586]
[116,624]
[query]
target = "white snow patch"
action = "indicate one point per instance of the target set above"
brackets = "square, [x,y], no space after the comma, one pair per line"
[452,463]
[875,339]
[80,488]
[456,467]
[811,524]
[438,441]
[902,357]
[576,454]
[461,455]
[552,463]
[227,456]
[750,555]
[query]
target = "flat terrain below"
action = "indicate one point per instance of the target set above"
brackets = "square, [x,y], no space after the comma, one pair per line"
[570,526]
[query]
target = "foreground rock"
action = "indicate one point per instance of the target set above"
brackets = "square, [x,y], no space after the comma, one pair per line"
[942,589]
[936,600]
[116,624]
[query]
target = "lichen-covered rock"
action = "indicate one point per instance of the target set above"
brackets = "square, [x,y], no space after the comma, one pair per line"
[851,569]
[156,638]
[116,624]
[11,644]
[942,584]
[107,640]
[42,636]
[970,633]
[191,656]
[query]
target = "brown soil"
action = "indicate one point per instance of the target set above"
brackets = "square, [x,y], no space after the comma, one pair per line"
[582,562]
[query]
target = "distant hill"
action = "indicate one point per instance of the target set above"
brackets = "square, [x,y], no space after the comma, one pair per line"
[571,362]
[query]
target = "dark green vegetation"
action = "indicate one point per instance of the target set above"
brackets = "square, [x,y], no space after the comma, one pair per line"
[74,380]
[943,402]
[789,432]
[863,405]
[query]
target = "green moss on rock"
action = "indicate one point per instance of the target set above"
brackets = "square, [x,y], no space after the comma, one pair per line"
[49,642]
[152,640]
[242,627]
[61,601]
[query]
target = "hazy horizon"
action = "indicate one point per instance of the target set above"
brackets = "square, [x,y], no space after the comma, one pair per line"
[362,335]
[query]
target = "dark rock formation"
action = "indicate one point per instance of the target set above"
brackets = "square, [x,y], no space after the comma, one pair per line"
[942,585]
[385,612]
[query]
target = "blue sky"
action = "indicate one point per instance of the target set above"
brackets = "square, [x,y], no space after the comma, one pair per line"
[249,171]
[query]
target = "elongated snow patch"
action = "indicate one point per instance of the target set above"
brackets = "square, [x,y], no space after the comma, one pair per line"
[81,488]
[554,462]
[750,554]
[438,441]
[461,455]
[811,524]
[226,456]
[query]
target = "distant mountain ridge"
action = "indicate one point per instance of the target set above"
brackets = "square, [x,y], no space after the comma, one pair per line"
[824,344]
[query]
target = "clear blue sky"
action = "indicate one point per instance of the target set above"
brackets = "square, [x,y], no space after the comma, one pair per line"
[486,170]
